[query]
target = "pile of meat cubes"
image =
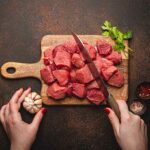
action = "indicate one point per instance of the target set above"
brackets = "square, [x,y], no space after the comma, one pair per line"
[67,74]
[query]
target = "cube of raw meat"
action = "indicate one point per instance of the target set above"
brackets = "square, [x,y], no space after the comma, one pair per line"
[79,90]
[115,57]
[91,50]
[46,75]
[107,73]
[92,85]
[84,75]
[98,63]
[71,46]
[73,75]
[103,48]
[69,89]
[106,63]
[56,91]
[77,60]
[117,79]
[62,58]
[62,76]
[95,96]
[48,55]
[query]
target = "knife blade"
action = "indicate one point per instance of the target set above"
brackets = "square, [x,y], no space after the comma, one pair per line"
[95,73]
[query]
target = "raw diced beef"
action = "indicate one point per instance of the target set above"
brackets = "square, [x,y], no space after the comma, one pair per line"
[46,75]
[115,57]
[106,63]
[107,73]
[77,61]
[79,89]
[48,56]
[62,76]
[56,91]
[69,89]
[62,58]
[73,75]
[103,48]
[98,63]
[91,50]
[117,79]
[92,85]
[84,75]
[71,46]
[95,96]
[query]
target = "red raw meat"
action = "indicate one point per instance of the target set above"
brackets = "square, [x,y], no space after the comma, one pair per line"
[69,89]
[46,75]
[84,75]
[71,46]
[92,85]
[106,63]
[77,60]
[117,79]
[62,76]
[95,96]
[48,56]
[79,89]
[115,57]
[62,58]
[56,91]
[103,47]
[73,75]
[107,73]
[91,50]
[98,63]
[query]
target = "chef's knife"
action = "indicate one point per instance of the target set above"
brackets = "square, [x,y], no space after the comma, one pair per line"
[109,97]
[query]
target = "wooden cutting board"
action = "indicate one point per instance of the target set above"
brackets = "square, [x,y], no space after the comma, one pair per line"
[23,70]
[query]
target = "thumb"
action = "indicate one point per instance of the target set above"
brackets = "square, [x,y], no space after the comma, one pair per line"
[38,118]
[113,119]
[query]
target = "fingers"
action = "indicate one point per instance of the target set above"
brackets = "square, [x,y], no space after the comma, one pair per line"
[2,117]
[25,93]
[38,118]
[124,111]
[13,101]
[114,120]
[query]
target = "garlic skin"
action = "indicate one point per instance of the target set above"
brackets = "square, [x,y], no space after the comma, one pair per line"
[32,102]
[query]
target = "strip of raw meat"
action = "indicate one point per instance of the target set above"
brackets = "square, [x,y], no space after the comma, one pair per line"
[103,47]
[79,89]
[46,75]
[62,76]
[95,96]
[117,79]
[56,91]
[48,56]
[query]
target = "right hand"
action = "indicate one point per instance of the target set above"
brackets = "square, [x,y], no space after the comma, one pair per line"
[131,132]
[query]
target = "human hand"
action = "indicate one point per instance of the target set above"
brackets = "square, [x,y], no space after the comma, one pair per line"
[131,132]
[21,134]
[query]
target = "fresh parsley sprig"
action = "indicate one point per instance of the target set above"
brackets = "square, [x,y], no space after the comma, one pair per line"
[117,36]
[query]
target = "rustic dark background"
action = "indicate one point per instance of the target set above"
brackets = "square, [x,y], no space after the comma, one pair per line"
[22,25]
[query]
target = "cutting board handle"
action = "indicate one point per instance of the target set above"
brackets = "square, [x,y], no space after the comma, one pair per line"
[14,70]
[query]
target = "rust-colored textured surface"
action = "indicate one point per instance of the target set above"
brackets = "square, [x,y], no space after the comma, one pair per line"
[22,25]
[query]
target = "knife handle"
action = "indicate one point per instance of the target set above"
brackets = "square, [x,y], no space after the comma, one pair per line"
[113,104]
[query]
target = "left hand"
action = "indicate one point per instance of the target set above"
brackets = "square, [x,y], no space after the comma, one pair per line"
[20,133]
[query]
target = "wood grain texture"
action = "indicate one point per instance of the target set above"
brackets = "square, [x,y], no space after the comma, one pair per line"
[23,70]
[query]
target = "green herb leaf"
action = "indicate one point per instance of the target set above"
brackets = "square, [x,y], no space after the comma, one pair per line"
[116,35]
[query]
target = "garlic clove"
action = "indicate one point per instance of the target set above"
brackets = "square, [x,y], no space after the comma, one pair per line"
[27,99]
[39,105]
[25,104]
[39,101]
[32,111]
[36,109]
[33,94]
[29,95]
[37,97]
[29,107]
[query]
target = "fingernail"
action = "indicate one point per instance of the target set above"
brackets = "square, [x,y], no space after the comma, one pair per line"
[107,111]
[44,110]
[28,87]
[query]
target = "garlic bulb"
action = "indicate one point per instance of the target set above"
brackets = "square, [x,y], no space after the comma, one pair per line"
[32,102]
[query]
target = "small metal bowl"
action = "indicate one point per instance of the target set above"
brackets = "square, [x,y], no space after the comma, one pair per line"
[135,107]
[138,89]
